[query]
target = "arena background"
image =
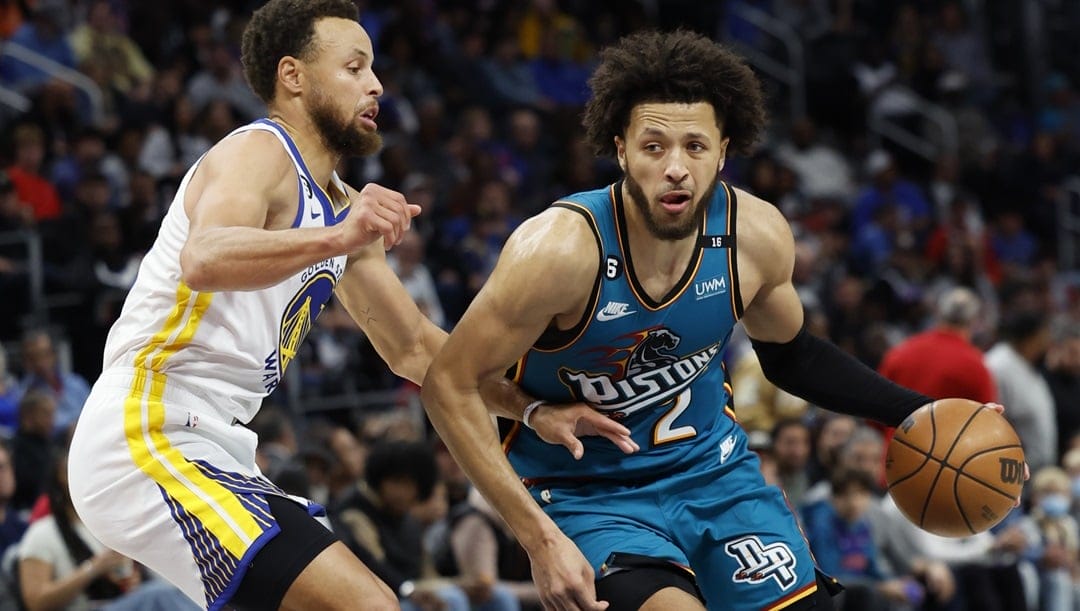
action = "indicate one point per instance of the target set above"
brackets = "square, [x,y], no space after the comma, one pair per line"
[915,147]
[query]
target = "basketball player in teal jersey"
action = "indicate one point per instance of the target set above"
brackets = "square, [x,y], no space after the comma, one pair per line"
[624,298]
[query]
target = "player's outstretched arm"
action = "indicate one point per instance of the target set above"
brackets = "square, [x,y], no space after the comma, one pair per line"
[244,190]
[375,298]
[544,272]
[792,358]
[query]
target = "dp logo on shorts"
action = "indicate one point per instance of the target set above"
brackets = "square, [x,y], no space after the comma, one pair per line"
[758,562]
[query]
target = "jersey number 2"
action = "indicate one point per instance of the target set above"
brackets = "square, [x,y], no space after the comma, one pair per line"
[663,431]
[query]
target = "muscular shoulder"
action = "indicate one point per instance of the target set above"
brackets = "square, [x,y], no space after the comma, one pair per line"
[558,243]
[764,238]
[254,160]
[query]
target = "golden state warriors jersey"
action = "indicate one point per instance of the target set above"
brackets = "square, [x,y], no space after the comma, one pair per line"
[654,365]
[233,345]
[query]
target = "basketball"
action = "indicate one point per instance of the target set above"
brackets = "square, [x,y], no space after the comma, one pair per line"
[955,467]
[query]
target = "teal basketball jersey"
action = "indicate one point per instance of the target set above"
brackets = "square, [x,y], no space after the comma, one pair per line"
[653,365]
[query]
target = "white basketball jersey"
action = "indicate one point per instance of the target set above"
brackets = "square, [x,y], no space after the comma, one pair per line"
[233,346]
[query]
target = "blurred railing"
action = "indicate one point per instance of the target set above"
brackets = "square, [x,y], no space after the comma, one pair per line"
[1069,225]
[791,72]
[886,126]
[31,241]
[60,72]
[14,100]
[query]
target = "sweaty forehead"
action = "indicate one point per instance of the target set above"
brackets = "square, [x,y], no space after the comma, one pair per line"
[674,117]
[341,38]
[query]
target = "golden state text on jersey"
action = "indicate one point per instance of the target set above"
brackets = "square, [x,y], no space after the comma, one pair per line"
[653,364]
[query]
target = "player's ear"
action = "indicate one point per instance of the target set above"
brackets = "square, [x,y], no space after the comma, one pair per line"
[723,154]
[288,74]
[620,152]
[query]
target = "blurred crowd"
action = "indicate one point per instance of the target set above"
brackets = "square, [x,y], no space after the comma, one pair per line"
[941,271]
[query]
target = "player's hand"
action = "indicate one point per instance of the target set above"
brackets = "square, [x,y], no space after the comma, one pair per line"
[563,577]
[939,581]
[377,212]
[999,408]
[564,424]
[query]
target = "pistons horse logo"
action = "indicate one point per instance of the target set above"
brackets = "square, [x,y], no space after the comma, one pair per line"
[653,351]
[647,370]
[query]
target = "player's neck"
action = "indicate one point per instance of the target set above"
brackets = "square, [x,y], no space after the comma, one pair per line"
[320,160]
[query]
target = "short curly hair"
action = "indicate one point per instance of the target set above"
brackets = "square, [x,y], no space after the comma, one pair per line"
[284,28]
[678,66]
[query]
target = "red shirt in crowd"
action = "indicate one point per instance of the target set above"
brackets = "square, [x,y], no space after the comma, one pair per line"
[38,193]
[939,363]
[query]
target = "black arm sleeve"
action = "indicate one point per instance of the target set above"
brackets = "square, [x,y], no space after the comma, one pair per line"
[825,375]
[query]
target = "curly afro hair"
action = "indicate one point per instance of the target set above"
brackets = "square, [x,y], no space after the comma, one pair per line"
[284,28]
[678,66]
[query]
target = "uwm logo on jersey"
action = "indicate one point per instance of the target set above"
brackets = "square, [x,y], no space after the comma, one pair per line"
[645,373]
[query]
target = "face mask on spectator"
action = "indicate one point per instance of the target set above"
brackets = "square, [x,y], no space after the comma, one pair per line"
[1054,505]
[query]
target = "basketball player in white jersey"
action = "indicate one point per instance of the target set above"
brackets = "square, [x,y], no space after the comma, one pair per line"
[260,235]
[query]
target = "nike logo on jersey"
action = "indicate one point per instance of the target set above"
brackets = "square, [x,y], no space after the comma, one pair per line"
[613,310]
[315,215]
[726,447]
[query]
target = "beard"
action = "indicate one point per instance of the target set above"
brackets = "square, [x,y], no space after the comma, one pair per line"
[342,136]
[669,231]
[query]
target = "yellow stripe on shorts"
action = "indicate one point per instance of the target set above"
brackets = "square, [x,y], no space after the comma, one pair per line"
[215,507]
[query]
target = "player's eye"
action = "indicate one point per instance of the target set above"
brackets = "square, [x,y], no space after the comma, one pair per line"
[696,147]
[652,147]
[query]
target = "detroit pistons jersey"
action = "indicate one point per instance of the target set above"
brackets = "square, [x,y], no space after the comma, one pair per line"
[653,365]
[232,345]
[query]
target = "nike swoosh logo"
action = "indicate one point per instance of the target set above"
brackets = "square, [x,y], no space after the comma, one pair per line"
[604,316]
[316,215]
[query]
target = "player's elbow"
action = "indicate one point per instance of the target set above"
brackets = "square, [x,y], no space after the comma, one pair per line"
[434,388]
[195,270]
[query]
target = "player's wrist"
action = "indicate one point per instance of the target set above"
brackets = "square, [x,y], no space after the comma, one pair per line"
[530,411]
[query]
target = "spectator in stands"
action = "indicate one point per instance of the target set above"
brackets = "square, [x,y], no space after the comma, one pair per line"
[1059,538]
[42,33]
[277,439]
[12,522]
[508,77]
[32,447]
[888,187]
[10,393]
[942,362]
[863,451]
[221,79]
[173,144]
[42,372]
[407,261]
[1063,375]
[62,566]
[822,171]
[1013,245]
[839,533]
[375,517]
[483,551]
[33,188]
[963,48]
[1022,389]
[761,403]
[101,40]
[790,445]
[831,431]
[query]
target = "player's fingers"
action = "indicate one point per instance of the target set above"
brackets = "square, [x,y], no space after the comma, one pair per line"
[997,407]
[577,449]
[603,424]
[1027,472]
[414,210]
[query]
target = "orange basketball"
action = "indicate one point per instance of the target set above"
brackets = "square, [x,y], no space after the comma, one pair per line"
[955,467]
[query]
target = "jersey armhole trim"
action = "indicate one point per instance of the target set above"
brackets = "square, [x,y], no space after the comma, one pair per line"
[554,339]
[733,254]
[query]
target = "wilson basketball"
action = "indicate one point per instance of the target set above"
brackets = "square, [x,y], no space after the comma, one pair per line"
[955,467]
